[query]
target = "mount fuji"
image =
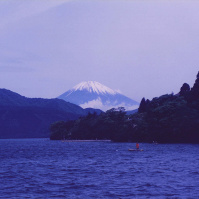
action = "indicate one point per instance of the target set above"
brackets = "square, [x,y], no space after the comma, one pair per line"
[92,94]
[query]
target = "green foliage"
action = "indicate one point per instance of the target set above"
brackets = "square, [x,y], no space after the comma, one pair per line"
[114,125]
[165,119]
[61,130]
[185,89]
[142,107]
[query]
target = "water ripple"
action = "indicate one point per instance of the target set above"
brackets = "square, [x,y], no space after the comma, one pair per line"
[39,168]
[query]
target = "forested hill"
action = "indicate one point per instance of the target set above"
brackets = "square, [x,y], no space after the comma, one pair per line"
[166,119]
[22,117]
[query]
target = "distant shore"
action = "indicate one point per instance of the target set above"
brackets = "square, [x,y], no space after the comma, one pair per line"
[86,140]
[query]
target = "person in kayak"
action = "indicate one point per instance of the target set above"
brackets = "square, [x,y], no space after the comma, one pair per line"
[137,146]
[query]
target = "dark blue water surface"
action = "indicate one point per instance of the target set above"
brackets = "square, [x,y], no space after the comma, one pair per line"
[40,168]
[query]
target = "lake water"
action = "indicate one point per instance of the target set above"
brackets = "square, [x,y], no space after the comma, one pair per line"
[40,168]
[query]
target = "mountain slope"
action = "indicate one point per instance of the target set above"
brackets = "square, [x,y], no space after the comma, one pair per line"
[95,95]
[22,117]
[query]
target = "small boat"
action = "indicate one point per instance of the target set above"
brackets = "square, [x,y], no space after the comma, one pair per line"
[136,149]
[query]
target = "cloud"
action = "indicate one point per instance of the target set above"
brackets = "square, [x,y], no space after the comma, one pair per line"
[14,62]
[97,104]
[94,104]
[18,61]
[14,10]
[18,69]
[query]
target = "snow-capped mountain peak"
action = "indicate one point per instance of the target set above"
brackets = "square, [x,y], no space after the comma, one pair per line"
[95,87]
[92,94]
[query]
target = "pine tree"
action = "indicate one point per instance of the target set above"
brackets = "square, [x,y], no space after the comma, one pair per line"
[184,89]
[142,107]
[195,89]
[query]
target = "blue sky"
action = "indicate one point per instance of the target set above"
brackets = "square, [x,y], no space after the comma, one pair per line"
[144,48]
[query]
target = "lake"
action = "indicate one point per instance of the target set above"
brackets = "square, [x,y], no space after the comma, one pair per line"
[40,168]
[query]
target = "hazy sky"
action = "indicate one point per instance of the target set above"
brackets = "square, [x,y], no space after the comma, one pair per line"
[144,48]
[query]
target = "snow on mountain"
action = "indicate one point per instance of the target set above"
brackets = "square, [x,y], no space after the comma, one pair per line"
[92,94]
[95,87]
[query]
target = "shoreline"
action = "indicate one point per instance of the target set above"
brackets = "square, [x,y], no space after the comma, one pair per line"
[86,141]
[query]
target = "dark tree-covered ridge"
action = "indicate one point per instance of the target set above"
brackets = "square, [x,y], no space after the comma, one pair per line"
[166,119]
[22,117]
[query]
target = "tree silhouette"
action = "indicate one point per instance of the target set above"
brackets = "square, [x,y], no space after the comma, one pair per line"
[142,107]
[184,89]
